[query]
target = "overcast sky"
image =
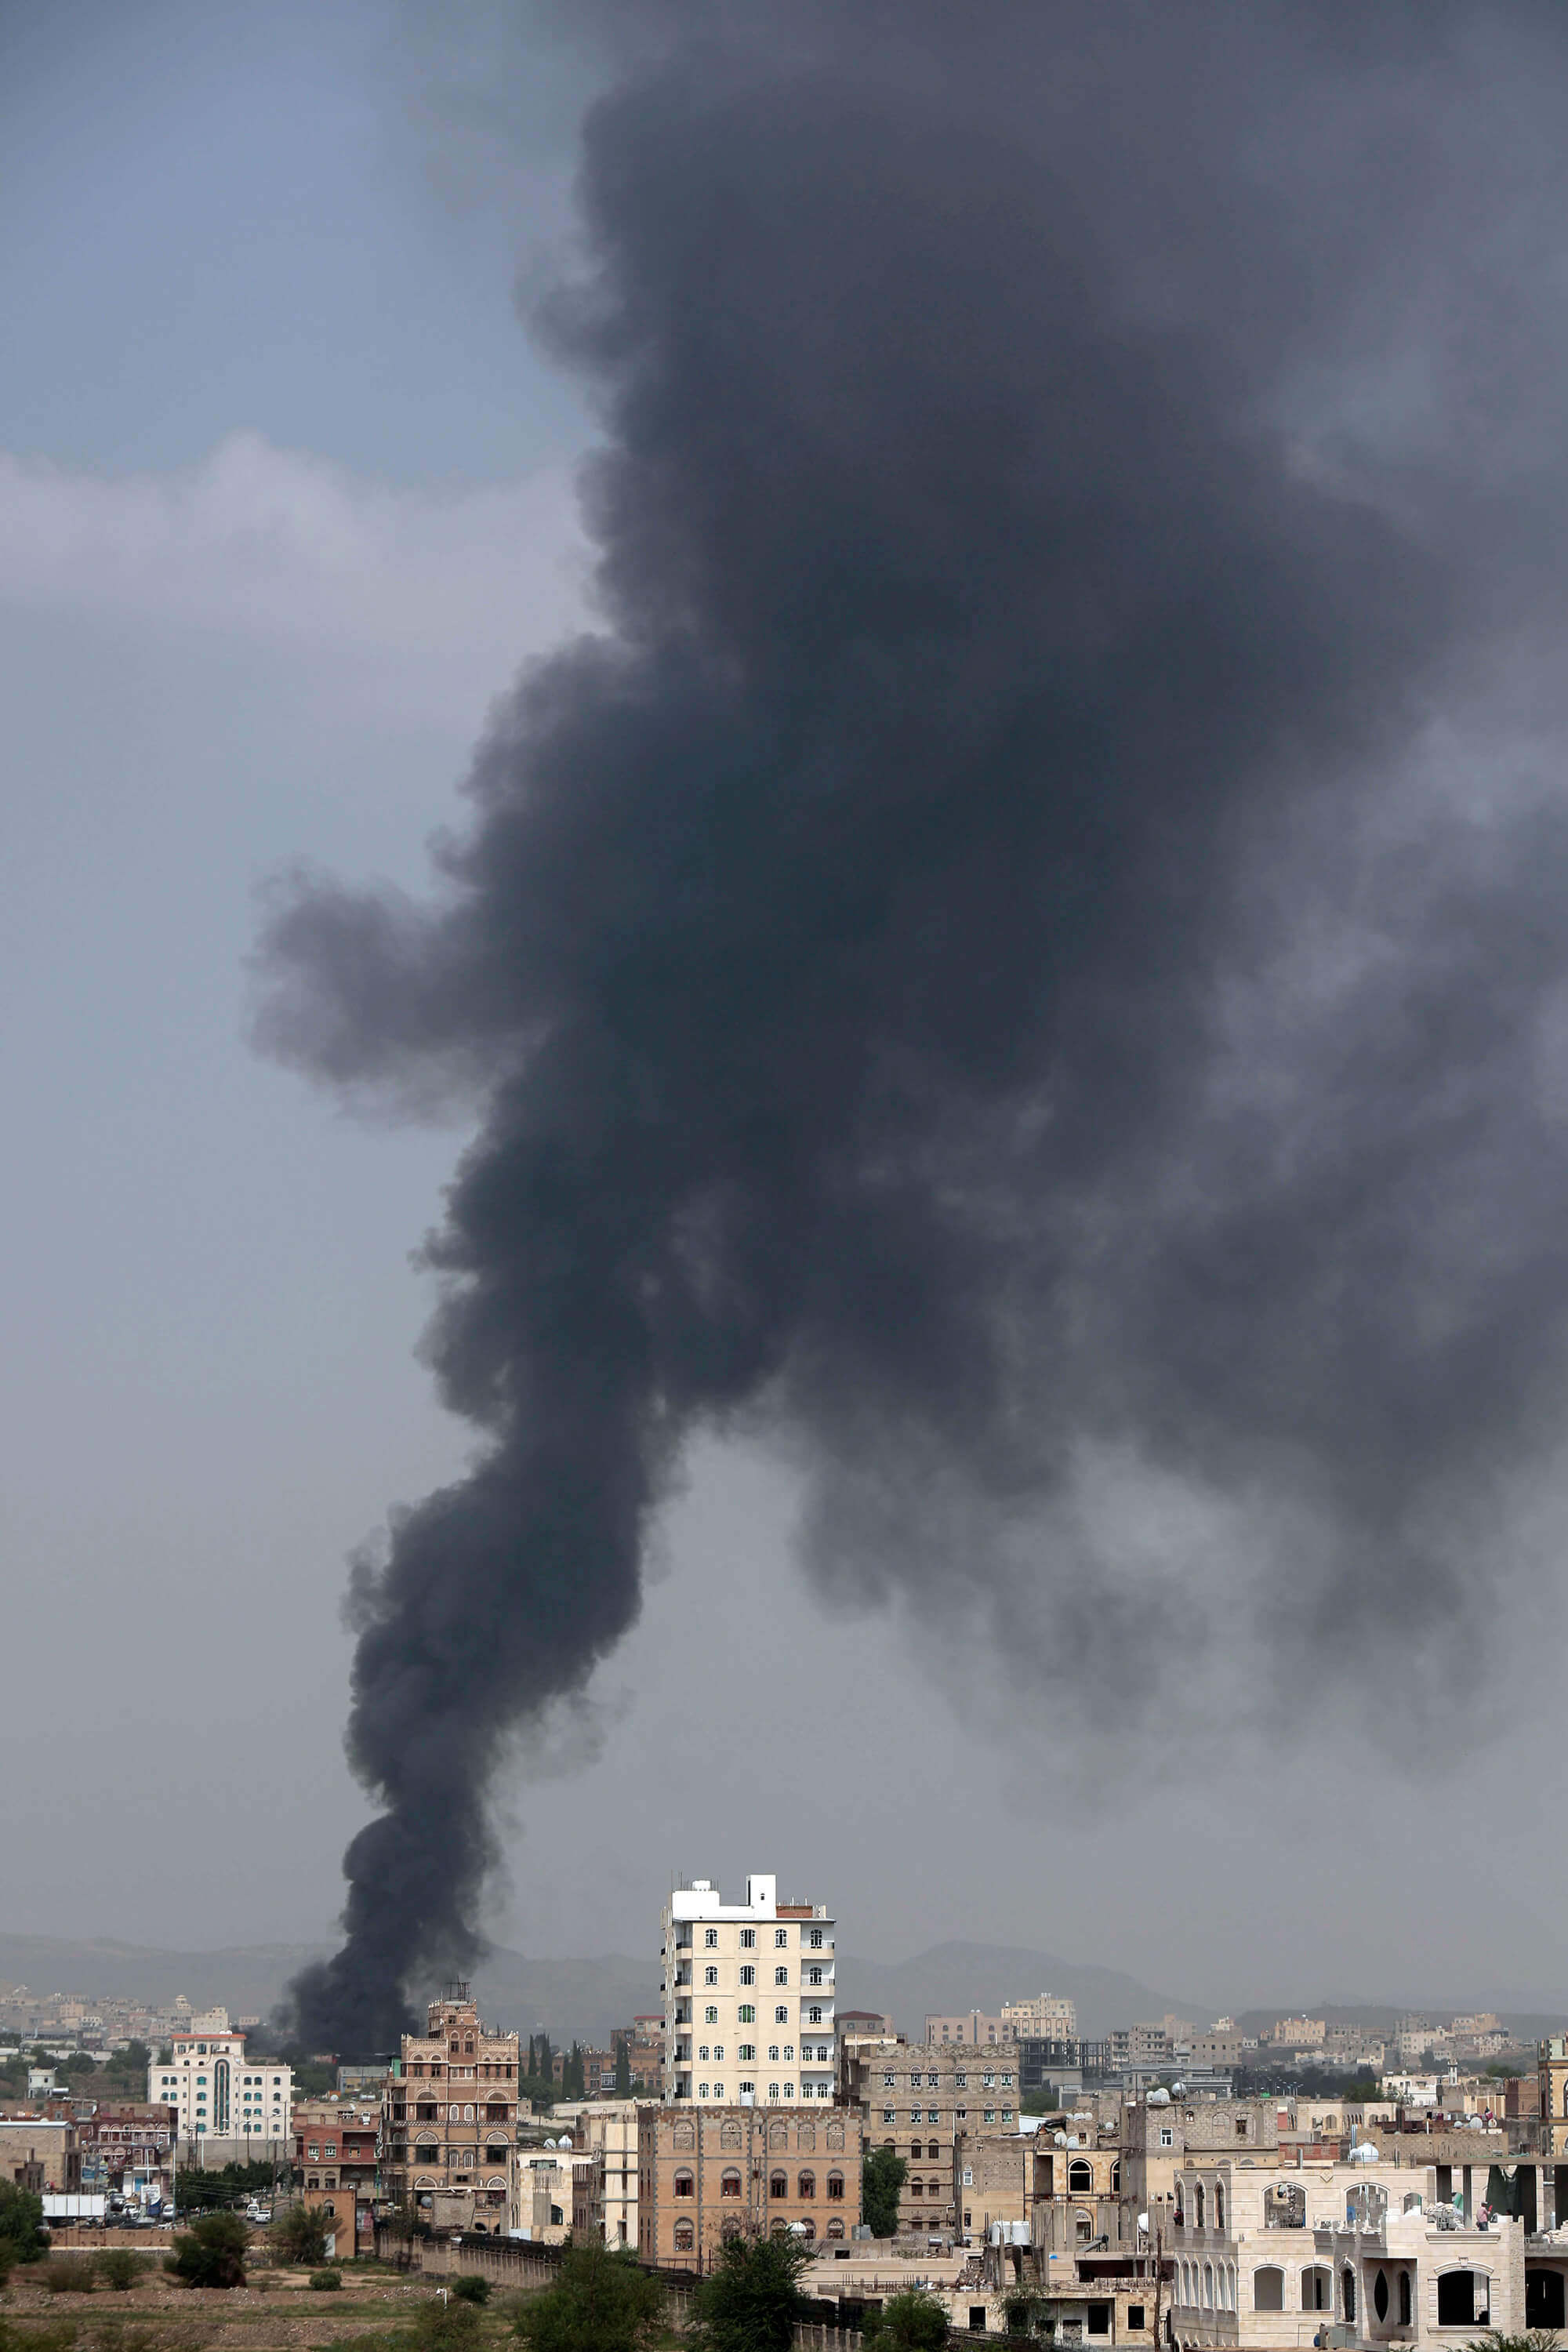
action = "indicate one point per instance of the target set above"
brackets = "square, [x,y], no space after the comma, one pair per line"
[286,496]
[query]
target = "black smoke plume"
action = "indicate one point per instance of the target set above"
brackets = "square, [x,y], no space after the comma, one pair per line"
[986,965]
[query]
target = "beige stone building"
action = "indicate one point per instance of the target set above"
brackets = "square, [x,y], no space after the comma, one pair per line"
[1551,2095]
[1373,2253]
[1076,2189]
[917,2097]
[706,2174]
[749,1991]
[449,2118]
[1048,2016]
[608,2128]
[992,2181]
[1157,2132]
[41,2153]
[973,2026]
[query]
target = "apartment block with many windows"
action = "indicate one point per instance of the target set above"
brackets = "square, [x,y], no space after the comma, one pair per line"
[749,1997]
[449,2119]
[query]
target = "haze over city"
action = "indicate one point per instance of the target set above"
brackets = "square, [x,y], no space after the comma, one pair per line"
[1225,1649]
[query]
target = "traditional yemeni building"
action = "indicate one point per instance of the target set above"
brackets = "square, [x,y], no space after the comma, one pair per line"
[1551,2076]
[1048,2016]
[916,2098]
[749,1997]
[449,2119]
[705,2173]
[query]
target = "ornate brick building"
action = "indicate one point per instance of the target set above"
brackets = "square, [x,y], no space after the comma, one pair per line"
[705,2173]
[449,2123]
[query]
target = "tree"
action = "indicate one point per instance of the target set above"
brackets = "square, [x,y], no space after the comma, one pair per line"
[623,2068]
[212,2252]
[575,2075]
[299,2235]
[881,2186]
[601,2301]
[751,2301]
[23,2237]
[446,2326]
[912,2321]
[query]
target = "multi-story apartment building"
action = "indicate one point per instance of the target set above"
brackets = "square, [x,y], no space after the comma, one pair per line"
[126,2149]
[749,1997]
[917,2098]
[40,2153]
[606,2128]
[219,2095]
[449,2118]
[973,2027]
[706,2174]
[1048,2016]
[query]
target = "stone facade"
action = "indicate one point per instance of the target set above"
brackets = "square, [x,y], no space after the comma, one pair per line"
[1552,2094]
[917,2098]
[449,2117]
[221,2095]
[41,2153]
[705,2173]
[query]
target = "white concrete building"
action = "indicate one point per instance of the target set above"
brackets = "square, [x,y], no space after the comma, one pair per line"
[748,1997]
[219,2094]
[1366,2253]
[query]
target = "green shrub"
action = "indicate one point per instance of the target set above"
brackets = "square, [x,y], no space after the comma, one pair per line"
[22,2232]
[299,2235]
[211,2252]
[910,2321]
[471,2288]
[120,2268]
[446,2326]
[70,2274]
[326,2282]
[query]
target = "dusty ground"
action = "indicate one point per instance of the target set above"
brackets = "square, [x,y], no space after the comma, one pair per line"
[159,2316]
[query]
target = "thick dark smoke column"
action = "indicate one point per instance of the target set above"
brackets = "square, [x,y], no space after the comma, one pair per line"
[858,941]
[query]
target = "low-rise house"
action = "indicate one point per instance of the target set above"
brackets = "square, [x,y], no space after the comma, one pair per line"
[41,2152]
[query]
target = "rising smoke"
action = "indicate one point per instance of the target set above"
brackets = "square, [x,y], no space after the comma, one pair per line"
[995,964]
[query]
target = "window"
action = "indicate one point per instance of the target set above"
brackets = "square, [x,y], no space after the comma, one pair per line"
[814,2016]
[748,1976]
[1347,2284]
[781,1939]
[711,2014]
[990,2115]
[747,2054]
[685,2184]
[747,2013]
[813,1975]
[889,2081]
[710,1939]
[1268,2289]
[1099,2319]
[748,1939]
[1167,2136]
[773,2090]
[1006,2082]
[933,2152]
[961,2114]
[816,1939]
[807,2185]
[1218,2196]
[710,1976]
[718,2090]
[685,2237]
[780,1976]
[702,2090]
[1456,2300]
[1135,2315]
[789,2053]
[889,2115]
[730,2183]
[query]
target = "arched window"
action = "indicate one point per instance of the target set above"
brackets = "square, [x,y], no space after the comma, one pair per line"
[1219,2205]
[1379,2294]
[778,2184]
[684,2134]
[1405,2299]
[807,2185]
[835,2184]
[685,2185]
[836,2227]
[1317,2289]
[1180,2217]
[1347,2286]
[808,2231]
[1268,2289]
[1457,2299]
[778,2134]
[914,2152]
[426,2153]
[729,2134]
[932,2151]
[1083,2227]
[1080,2177]
[685,2237]
[1199,2206]
[1116,2177]
[730,2182]
[834,2134]
[1209,2287]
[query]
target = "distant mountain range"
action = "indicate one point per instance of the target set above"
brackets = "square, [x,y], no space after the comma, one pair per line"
[584,1998]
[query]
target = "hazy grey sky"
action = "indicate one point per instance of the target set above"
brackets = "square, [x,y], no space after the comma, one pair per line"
[284,499]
